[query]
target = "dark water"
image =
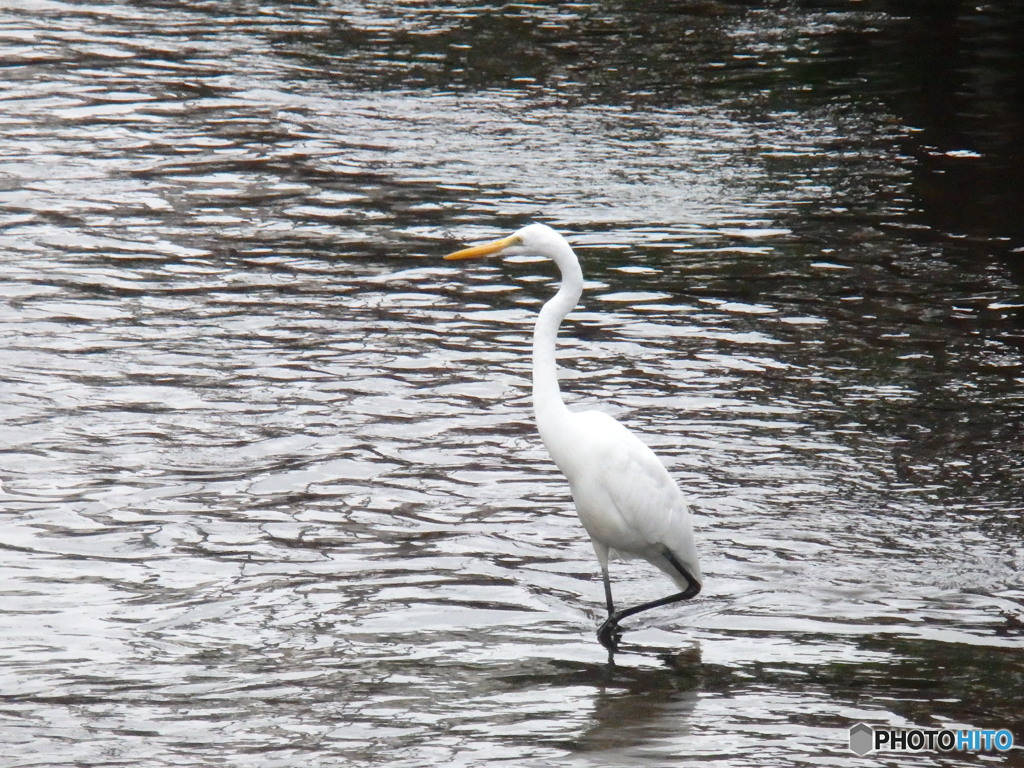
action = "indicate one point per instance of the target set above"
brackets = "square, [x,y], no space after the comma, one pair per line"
[271,491]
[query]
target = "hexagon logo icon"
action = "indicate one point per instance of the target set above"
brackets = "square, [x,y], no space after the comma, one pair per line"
[862,738]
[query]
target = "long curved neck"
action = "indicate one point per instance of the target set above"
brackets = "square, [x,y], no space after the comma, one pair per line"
[548,405]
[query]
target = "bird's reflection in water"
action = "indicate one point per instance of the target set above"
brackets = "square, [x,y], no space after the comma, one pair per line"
[643,709]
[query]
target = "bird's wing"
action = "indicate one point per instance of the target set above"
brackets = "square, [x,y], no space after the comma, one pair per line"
[625,490]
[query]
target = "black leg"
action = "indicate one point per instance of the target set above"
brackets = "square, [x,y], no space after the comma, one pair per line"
[609,632]
[608,592]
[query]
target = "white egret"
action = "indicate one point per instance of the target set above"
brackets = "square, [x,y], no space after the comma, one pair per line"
[624,496]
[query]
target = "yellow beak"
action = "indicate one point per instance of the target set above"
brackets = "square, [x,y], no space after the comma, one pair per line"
[487,249]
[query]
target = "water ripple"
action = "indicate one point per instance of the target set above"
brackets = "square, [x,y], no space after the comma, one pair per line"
[270,489]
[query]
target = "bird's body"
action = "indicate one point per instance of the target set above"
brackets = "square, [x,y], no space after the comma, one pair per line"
[624,496]
[630,506]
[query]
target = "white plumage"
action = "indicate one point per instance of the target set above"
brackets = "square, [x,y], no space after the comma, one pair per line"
[624,496]
[630,506]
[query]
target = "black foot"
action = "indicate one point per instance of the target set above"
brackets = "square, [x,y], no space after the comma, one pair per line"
[609,634]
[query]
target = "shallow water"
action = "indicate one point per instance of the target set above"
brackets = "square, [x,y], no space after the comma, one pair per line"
[271,488]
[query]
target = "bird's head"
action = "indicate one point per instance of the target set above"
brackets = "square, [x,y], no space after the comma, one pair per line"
[531,240]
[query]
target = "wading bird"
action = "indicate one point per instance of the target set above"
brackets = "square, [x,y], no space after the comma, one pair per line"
[624,496]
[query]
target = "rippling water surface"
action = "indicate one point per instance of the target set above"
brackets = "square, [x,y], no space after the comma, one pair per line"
[271,490]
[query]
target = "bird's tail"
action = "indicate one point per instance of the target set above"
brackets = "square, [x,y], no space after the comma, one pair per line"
[678,556]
